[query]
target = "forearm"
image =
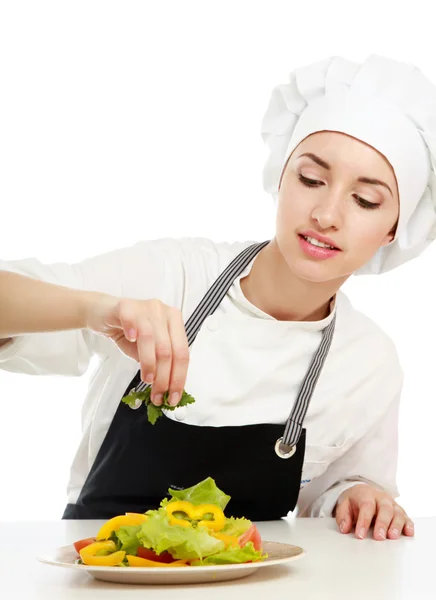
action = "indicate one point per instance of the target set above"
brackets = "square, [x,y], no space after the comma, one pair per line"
[28,306]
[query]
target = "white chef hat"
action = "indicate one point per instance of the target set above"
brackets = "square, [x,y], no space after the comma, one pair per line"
[385,103]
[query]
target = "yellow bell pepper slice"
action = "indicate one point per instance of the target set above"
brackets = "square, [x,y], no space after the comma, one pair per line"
[196,513]
[229,540]
[88,555]
[122,521]
[137,561]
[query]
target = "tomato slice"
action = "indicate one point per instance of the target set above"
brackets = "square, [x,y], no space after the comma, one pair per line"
[251,535]
[82,544]
[148,554]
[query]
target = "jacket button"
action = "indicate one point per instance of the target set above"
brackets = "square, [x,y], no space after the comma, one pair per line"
[212,324]
[180,413]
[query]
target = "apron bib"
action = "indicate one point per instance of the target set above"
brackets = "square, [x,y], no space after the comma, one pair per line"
[259,466]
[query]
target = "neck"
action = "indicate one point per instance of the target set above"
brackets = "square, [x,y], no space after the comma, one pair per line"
[272,287]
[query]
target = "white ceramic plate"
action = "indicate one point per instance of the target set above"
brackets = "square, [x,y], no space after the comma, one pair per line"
[278,554]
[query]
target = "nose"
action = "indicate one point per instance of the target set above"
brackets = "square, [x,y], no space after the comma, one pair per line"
[327,211]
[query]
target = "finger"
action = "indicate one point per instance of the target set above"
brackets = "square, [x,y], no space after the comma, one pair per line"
[344,515]
[146,349]
[163,359]
[367,510]
[128,348]
[385,514]
[128,322]
[409,528]
[397,524]
[180,356]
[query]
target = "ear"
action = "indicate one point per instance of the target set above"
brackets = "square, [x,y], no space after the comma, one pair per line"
[387,240]
[390,236]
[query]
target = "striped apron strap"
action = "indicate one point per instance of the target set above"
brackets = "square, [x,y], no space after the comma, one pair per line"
[286,445]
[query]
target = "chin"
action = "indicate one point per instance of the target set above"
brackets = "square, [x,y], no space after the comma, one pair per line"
[317,272]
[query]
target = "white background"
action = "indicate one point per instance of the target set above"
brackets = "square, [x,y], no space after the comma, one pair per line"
[128,120]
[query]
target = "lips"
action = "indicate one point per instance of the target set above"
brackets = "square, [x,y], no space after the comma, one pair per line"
[320,238]
[316,249]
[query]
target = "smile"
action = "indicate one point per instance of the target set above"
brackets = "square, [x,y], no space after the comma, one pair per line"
[316,242]
[317,249]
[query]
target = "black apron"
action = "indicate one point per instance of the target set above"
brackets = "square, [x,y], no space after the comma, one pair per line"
[259,466]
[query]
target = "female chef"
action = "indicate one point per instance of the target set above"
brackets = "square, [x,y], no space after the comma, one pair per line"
[296,393]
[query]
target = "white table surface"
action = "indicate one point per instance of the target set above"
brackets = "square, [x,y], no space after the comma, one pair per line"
[335,566]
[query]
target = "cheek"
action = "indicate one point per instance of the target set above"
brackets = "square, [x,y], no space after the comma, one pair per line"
[368,237]
[289,210]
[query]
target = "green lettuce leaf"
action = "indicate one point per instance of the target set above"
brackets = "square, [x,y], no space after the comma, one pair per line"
[155,412]
[128,538]
[236,527]
[181,542]
[232,555]
[205,492]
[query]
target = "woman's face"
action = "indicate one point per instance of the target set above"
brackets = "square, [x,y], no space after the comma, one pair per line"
[343,193]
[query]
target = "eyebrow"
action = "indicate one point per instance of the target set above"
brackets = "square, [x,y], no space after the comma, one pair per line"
[319,161]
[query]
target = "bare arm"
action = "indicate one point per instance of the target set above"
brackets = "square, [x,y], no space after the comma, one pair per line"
[28,306]
[148,331]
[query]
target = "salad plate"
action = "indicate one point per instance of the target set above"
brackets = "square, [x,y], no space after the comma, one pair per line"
[187,539]
[278,554]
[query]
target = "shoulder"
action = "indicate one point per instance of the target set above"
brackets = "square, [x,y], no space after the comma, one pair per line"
[183,269]
[199,257]
[190,250]
[159,268]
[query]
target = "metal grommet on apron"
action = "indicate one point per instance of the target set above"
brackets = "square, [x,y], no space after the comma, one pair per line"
[283,450]
[137,462]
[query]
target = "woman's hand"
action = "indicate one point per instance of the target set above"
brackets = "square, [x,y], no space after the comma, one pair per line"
[360,504]
[150,332]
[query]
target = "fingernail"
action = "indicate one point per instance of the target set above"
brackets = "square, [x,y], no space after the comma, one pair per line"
[382,533]
[149,378]
[131,335]
[174,398]
[395,532]
[362,533]
[342,526]
[410,527]
[157,399]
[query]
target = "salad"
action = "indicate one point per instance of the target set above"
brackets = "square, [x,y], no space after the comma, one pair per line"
[188,529]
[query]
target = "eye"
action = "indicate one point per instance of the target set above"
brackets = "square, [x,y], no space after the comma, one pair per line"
[309,182]
[313,183]
[366,203]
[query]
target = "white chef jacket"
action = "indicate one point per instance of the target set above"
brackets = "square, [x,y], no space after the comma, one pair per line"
[245,366]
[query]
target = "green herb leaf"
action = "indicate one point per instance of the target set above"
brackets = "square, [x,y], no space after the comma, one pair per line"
[153,412]
[132,397]
[184,401]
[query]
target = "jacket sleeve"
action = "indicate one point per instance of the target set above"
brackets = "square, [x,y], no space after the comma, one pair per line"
[372,459]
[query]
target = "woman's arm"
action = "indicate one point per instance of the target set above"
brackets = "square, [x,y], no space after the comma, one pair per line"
[29,306]
[42,323]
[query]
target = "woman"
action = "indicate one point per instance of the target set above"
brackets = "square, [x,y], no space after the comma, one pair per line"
[296,393]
